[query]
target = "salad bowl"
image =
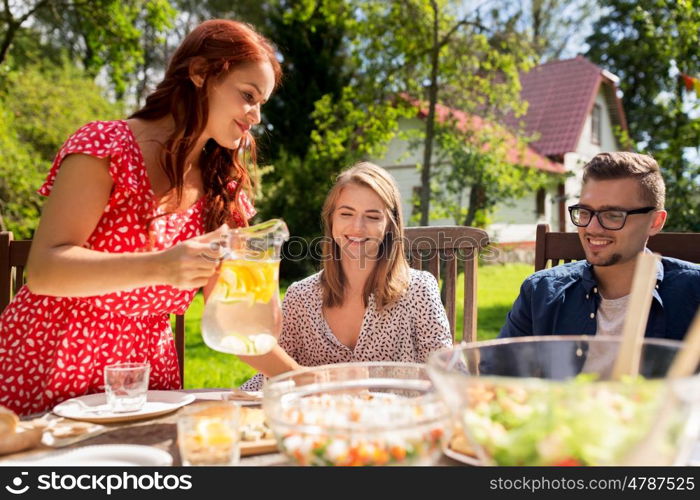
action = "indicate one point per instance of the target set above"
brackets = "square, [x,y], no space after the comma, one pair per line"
[550,400]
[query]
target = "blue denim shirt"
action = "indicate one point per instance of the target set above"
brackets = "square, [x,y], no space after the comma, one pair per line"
[564,300]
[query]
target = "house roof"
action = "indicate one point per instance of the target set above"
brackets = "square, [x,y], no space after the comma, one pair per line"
[560,96]
[517,153]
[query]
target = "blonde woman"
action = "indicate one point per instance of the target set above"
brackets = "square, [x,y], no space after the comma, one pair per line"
[366,304]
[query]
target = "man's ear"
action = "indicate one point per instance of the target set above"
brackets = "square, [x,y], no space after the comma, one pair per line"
[657,223]
[197,71]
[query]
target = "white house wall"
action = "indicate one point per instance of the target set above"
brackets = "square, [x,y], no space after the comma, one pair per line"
[402,162]
[398,152]
[513,221]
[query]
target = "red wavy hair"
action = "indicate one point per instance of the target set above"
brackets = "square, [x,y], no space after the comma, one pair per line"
[215,47]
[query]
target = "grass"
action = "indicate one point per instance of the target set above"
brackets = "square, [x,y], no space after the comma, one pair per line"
[498,286]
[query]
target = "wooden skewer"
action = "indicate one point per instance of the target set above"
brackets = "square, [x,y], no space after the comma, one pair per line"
[684,364]
[686,361]
[643,281]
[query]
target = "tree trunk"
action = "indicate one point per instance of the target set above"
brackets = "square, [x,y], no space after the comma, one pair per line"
[474,201]
[430,125]
[679,123]
[7,40]
[13,25]
[149,49]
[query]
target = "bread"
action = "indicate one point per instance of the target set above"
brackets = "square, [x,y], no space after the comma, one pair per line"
[8,422]
[20,440]
[13,437]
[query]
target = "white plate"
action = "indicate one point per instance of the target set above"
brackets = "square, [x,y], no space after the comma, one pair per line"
[461,457]
[101,455]
[157,403]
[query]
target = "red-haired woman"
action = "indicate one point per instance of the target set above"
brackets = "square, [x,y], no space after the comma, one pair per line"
[133,208]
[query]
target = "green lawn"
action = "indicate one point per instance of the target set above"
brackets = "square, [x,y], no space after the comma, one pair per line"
[498,287]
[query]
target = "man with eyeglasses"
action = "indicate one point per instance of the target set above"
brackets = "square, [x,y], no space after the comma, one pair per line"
[621,206]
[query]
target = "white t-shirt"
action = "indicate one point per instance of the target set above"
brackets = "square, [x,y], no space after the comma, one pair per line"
[610,319]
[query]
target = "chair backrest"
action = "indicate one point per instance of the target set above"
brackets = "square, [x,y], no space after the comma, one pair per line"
[557,247]
[13,259]
[436,248]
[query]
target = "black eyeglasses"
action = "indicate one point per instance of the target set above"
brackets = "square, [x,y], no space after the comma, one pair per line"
[612,220]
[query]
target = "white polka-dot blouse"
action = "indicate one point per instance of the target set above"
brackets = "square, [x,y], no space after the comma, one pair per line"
[408,330]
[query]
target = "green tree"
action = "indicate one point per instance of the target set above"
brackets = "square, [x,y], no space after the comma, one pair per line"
[19,180]
[482,172]
[391,50]
[39,108]
[98,33]
[440,52]
[649,44]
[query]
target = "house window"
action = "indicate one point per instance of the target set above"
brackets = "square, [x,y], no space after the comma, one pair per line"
[595,124]
[541,196]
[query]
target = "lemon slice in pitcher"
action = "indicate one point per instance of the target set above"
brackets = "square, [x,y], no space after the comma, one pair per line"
[230,287]
[244,280]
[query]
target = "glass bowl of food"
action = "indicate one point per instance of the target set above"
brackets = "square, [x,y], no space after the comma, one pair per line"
[370,413]
[552,400]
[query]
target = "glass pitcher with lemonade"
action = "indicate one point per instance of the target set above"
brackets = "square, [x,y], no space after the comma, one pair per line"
[243,315]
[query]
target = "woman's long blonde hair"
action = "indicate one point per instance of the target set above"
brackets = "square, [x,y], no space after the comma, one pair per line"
[389,279]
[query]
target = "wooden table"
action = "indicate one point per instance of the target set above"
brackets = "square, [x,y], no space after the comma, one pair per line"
[161,432]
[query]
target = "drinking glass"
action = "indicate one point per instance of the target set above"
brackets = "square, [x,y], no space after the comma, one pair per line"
[126,386]
[209,434]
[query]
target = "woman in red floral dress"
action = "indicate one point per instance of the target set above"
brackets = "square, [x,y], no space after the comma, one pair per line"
[127,231]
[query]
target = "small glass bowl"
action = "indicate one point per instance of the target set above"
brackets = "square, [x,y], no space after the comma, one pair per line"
[370,413]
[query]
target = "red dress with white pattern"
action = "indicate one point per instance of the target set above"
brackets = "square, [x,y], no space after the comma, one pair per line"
[55,348]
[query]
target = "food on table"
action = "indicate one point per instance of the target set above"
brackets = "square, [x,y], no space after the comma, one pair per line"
[577,422]
[62,432]
[242,313]
[460,443]
[67,429]
[254,426]
[14,436]
[8,422]
[370,429]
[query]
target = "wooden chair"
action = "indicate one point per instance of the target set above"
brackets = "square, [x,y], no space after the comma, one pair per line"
[434,247]
[13,259]
[558,247]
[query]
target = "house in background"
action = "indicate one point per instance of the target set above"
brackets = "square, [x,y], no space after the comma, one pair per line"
[573,111]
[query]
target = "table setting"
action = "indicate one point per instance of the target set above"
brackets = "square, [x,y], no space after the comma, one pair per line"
[547,400]
[141,437]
